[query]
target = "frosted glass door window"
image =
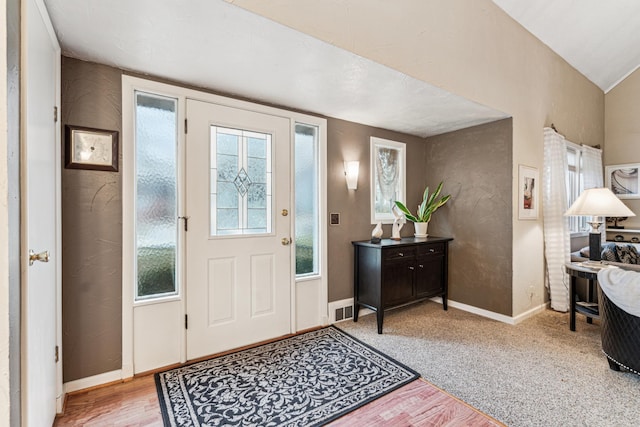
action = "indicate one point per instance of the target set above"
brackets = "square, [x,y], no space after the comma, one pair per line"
[306,187]
[240,184]
[156,196]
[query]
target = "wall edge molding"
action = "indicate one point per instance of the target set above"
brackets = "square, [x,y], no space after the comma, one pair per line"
[493,315]
[93,381]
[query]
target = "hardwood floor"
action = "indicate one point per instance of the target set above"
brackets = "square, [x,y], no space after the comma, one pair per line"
[131,403]
[418,403]
[135,403]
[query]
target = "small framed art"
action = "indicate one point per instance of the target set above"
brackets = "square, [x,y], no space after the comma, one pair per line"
[624,180]
[88,148]
[528,199]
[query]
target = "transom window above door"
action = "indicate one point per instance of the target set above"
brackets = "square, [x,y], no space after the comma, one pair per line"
[240,182]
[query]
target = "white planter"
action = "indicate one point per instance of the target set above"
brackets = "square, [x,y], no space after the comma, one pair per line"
[421,229]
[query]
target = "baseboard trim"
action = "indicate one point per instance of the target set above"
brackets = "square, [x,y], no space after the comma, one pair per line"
[491,314]
[460,306]
[94,381]
[531,312]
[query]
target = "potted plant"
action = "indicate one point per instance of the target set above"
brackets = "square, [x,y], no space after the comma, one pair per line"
[430,204]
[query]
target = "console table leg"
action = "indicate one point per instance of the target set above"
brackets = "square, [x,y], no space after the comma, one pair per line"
[356,311]
[380,317]
[444,303]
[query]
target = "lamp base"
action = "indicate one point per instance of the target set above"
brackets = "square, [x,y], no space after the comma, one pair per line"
[594,246]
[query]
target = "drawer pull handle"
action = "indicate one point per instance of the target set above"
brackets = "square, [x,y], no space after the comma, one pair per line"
[410,268]
[400,254]
[432,250]
[421,266]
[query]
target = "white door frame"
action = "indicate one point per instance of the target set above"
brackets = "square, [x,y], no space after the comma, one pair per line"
[318,285]
[57,250]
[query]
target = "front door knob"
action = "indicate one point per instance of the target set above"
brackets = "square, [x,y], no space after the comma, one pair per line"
[42,257]
[286,241]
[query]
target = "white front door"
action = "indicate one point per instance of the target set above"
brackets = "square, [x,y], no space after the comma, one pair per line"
[40,216]
[238,260]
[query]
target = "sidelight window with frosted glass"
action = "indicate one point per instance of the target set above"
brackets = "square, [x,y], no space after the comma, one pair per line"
[156,195]
[240,182]
[306,191]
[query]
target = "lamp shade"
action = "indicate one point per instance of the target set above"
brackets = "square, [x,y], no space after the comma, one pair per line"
[598,202]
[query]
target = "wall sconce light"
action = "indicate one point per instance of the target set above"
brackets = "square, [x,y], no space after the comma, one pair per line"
[351,174]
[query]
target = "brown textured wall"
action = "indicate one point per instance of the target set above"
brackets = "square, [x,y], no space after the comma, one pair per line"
[92,212]
[91,230]
[475,165]
[350,141]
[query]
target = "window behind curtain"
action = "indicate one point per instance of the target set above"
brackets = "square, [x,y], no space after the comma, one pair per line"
[575,185]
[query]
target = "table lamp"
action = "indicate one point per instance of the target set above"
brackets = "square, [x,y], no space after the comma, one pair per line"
[597,202]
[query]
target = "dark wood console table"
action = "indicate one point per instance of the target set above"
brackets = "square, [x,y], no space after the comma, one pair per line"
[398,272]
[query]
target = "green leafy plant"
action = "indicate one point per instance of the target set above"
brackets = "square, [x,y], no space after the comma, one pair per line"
[430,204]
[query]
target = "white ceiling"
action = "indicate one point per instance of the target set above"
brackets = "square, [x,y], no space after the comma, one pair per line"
[599,38]
[216,45]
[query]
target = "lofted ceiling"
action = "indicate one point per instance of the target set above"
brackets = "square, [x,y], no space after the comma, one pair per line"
[216,45]
[600,39]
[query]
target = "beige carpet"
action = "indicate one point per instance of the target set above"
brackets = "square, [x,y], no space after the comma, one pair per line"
[536,373]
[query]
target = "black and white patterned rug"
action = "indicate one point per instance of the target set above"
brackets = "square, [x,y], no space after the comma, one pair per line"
[305,380]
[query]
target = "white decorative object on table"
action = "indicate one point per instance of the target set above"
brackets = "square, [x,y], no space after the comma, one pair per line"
[376,234]
[398,223]
[421,229]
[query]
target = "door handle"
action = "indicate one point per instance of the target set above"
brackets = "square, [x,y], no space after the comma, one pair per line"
[42,257]
[286,241]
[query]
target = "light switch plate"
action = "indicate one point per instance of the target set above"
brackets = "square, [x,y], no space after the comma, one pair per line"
[334,219]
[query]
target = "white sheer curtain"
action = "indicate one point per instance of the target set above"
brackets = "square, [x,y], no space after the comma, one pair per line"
[556,227]
[554,195]
[592,175]
[592,167]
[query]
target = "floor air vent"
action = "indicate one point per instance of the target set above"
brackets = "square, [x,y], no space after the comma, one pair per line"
[343,313]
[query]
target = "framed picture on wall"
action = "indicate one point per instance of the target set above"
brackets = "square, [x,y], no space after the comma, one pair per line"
[623,180]
[388,174]
[528,199]
[88,148]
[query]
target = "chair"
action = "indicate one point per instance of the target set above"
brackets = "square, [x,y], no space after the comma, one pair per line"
[620,330]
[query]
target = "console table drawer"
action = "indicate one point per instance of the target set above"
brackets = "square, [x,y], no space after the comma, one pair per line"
[435,249]
[399,253]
